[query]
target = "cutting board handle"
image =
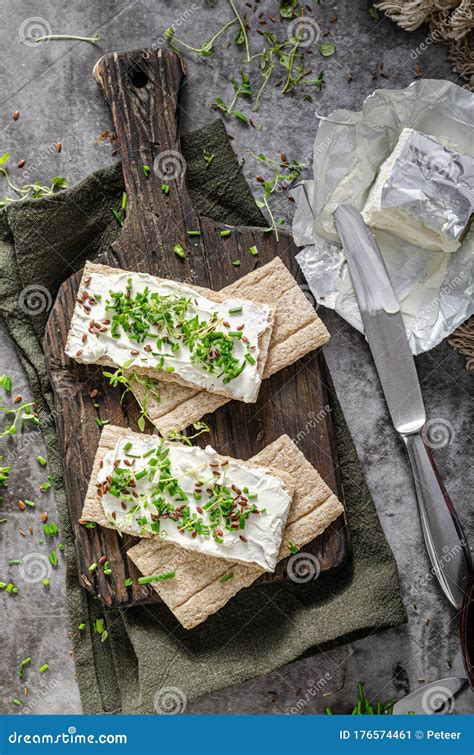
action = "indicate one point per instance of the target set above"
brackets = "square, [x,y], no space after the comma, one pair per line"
[141,89]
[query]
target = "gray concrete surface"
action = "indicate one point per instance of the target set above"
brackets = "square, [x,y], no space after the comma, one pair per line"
[52,87]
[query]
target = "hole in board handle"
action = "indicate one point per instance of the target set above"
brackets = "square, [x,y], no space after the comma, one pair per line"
[138,77]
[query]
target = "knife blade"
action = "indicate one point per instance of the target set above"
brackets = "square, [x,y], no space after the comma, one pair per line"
[435,697]
[385,332]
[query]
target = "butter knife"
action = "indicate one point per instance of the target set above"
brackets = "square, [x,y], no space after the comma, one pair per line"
[435,697]
[385,332]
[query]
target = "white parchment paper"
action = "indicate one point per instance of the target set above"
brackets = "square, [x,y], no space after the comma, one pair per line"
[435,290]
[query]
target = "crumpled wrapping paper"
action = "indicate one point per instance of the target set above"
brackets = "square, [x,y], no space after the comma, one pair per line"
[435,290]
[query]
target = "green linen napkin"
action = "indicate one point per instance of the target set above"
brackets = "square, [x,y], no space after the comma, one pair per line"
[147,653]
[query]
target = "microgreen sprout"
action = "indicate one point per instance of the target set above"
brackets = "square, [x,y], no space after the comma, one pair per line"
[241,88]
[75,37]
[364,707]
[284,172]
[205,50]
[33,190]
[208,158]
[200,427]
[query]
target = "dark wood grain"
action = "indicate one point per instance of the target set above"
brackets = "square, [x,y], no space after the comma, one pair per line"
[294,401]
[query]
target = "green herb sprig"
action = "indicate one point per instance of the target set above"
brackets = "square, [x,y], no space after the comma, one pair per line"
[33,190]
[364,707]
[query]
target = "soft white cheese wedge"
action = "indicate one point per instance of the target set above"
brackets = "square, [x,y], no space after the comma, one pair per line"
[195,498]
[164,328]
[423,193]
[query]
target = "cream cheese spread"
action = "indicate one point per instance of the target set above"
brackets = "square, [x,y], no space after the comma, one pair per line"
[137,320]
[423,193]
[195,498]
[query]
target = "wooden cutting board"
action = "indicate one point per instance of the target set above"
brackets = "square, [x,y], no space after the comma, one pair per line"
[142,91]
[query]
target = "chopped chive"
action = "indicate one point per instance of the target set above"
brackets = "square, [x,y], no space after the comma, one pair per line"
[45,486]
[225,232]
[146,170]
[99,626]
[81,627]
[293,548]
[43,668]
[15,701]
[53,558]
[61,546]
[235,311]
[193,233]
[179,251]
[31,504]
[253,251]
[21,667]
[3,585]
[124,200]
[165,188]
[90,525]
[102,422]
[236,263]
[6,383]
[226,577]
[128,582]
[117,216]
[50,530]
[15,562]
[3,520]
[41,460]
[92,568]
[46,582]
[156,578]
[251,359]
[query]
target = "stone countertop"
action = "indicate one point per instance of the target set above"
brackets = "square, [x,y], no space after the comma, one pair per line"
[52,87]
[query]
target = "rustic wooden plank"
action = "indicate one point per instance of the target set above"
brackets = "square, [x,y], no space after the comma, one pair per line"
[293,401]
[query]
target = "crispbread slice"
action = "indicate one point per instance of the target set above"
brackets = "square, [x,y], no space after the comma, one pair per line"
[297,330]
[196,591]
[220,297]
[93,510]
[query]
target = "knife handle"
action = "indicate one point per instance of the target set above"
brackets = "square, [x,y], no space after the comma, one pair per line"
[445,540]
